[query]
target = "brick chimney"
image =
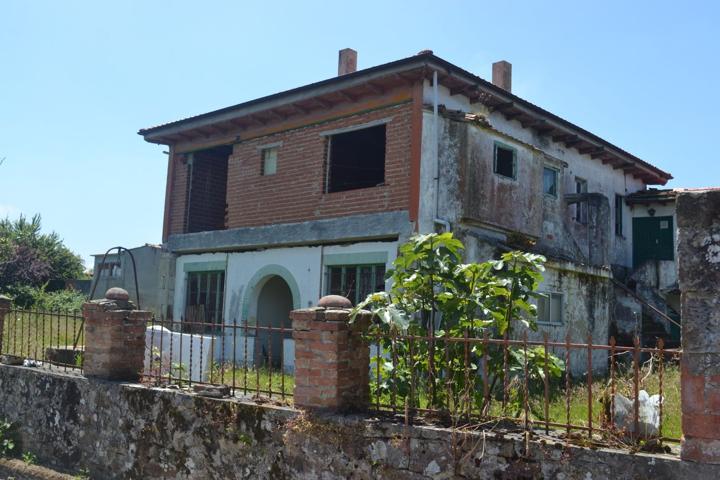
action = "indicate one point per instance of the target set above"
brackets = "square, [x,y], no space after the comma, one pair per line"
[347,61]
[502,75]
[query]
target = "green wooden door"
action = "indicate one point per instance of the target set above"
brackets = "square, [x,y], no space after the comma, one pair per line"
[652,239]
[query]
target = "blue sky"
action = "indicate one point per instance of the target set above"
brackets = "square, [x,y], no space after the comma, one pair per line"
[79,78]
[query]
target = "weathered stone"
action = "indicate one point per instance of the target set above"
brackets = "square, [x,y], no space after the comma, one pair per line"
[698,218]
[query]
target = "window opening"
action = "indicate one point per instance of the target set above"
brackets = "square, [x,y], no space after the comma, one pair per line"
[550,181]
[356,282]
[581,208]
[204,300]
[356,159]
[549,308]
[505,161]
[269,161]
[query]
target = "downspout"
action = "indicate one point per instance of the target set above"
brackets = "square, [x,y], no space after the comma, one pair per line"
[436,137]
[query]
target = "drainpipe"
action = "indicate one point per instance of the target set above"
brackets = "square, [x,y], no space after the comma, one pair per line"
[437,220]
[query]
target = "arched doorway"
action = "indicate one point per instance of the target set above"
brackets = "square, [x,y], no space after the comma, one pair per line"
[274,303]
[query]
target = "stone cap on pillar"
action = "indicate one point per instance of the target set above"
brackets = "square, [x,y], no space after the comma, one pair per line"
[335,302]
[115,299]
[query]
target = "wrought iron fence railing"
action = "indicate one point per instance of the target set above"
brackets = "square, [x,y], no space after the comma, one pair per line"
[43,338]
[245,358]
[626,393]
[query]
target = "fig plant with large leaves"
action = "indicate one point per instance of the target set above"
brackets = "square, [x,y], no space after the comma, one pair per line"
[434,301]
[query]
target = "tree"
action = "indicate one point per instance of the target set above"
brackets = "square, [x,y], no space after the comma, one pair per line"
[435,296]
[29,258]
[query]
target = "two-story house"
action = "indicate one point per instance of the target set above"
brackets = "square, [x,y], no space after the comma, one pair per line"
[274,202]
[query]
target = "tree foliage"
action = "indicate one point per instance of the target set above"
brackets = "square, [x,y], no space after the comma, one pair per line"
[29,258]
[436,296]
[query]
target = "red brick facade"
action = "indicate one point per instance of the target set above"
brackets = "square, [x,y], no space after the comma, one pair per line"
[295,193]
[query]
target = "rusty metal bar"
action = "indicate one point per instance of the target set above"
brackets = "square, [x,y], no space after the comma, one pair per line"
[661,369]
[612,382]
[589,385]
[567,382]
[636,385]
[546,385]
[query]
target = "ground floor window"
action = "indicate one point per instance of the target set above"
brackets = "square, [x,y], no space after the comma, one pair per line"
[204,299]
[549,308]
[355,281]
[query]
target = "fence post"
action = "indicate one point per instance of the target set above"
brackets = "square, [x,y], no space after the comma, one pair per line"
[332,359]
[4,310]
[698,219]
[114,337]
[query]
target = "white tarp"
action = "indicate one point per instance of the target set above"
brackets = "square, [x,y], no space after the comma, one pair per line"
[180,354]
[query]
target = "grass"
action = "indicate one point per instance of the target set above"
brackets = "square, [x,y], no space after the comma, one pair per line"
[578,394]
[27,334]
[272,381]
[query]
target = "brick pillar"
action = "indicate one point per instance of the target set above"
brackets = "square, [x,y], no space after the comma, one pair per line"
[698,219]
[114,337]
[332,359]
[4,310]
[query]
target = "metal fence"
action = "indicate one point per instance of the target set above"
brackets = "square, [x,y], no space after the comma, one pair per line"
[469,381]
[52,339]
[248,359]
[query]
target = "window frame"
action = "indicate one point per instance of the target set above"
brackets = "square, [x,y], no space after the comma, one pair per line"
[328,164]
[357,267]
[581,208]
[496,146]
[210,272]
[263,160]
[619,217]
[549,296]
[556,173]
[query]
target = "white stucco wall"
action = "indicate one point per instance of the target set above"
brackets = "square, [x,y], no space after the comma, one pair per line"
[242,268]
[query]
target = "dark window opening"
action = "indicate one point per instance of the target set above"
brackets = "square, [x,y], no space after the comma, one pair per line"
[618,215]
[204,301]
[505,163]
[550,181]
[206,194]
[356,282]
[581,208]
[356,159]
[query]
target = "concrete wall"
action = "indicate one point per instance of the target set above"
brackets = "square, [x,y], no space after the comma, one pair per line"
[301,267]
[128,431]
[516,205]
[155,268]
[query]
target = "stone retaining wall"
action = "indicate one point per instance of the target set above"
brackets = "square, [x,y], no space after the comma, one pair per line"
[117,430]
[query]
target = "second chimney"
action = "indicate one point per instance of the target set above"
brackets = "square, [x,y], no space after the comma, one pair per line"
[502,75]
[347,61]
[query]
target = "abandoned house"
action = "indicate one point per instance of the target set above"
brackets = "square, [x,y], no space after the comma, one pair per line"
[274,202]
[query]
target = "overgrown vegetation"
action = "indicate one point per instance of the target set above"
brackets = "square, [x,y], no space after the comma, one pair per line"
[436,296]
[29,259]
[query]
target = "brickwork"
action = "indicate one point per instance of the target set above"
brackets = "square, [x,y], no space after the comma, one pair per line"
[698,218]
[332,360]
[296,192]
[114,341]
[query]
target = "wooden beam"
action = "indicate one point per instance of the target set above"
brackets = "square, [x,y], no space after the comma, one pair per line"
[564,137]
[502,106]
[324,102]
[575,141]
[300,109]
[512,115]
[592,149]
[375,87]
[598,154]
[622,165]
[347,96]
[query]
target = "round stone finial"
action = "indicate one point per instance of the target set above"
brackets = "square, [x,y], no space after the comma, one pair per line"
[116,293]
[425,52]
[334,301]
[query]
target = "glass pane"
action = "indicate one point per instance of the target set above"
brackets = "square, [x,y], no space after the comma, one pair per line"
[550,181]
[366,282]
[379,279]
[335,286]
[351,284]
[556,308]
